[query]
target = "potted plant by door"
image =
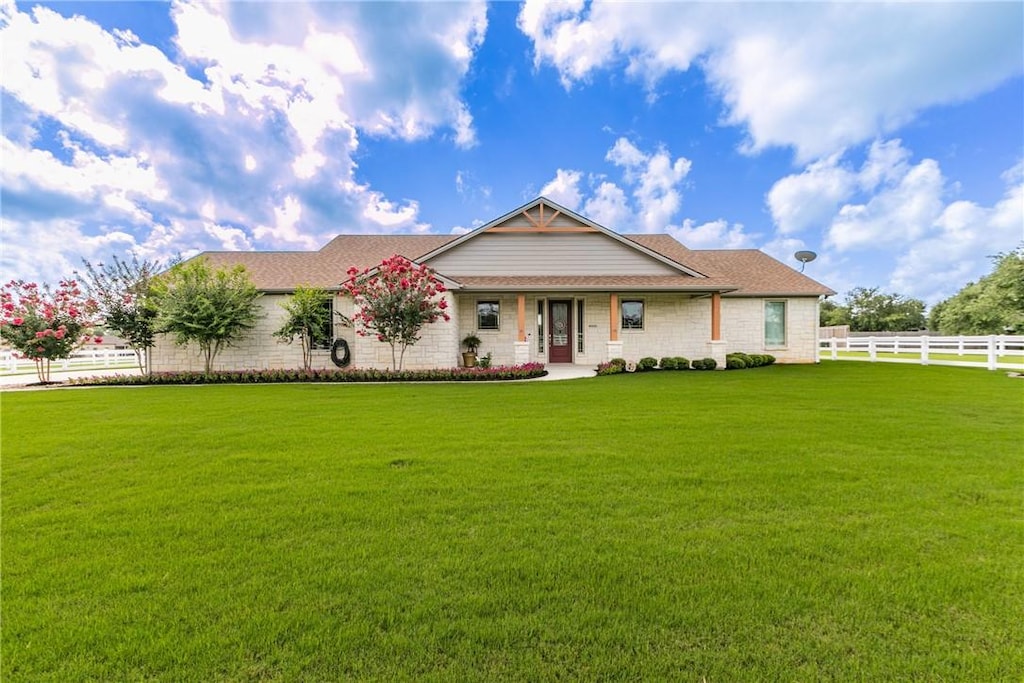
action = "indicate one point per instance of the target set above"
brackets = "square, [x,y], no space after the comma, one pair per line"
[472,343]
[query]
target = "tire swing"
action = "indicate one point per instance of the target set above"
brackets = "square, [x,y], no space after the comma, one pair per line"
[340,353]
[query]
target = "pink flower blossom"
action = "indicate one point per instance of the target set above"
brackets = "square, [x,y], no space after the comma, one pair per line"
[18,321]
[98,340]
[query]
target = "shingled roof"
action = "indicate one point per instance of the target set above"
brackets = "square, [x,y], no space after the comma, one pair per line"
[735,272]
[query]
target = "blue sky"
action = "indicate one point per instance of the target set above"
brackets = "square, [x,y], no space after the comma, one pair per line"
[889,139]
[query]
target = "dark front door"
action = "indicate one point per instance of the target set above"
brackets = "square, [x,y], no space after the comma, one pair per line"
[560,335]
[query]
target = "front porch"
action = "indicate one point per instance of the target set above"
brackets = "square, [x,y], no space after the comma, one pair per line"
[586,328]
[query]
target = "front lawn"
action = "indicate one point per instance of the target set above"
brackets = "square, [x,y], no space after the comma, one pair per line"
[846,521]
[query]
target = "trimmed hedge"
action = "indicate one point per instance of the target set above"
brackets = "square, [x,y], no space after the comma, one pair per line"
[704,364]
[646,363]
[739,361]
[476,374]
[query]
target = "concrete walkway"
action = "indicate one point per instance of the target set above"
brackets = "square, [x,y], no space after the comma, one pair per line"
[559,371]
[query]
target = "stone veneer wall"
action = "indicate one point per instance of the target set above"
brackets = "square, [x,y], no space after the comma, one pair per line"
[438,346]
[674,325]
[743,327]
[258,350]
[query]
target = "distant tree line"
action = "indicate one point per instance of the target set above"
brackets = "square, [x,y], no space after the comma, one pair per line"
[992,305]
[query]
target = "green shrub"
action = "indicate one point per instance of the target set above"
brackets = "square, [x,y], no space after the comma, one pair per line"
[704,364]
[646,363]
[621,362]
[667,363]
[682,363]
[734,363]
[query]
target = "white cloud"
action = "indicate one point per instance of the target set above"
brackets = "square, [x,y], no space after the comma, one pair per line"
[389,215]
[810,199]
[564,189]
[958,245]
[266,135]
[656,179]
[897,215]
[608,206]
[647,198]
[716,234]
[228,237]
[816,77]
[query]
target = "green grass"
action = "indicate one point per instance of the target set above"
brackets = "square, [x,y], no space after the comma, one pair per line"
[836,522]
[915,355]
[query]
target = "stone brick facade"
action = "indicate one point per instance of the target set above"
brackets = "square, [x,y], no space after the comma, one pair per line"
[674,325]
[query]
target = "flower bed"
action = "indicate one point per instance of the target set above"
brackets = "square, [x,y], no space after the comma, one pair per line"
[497,373]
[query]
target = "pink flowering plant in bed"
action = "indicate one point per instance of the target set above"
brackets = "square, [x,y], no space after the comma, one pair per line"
[394,301]
[45,324]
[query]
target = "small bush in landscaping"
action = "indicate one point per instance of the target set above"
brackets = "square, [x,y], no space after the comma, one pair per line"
[646,363]
[734,363]
[667,363]
[704,364]
[739,360]
[682,363]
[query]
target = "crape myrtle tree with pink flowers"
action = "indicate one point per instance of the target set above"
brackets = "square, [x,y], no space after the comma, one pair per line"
[394,301]
[46,324]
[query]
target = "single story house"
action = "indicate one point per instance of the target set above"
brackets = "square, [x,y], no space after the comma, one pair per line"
[543,284]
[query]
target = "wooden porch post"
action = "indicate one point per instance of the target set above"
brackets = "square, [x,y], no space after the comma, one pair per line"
[716,316]
[521,310]
[613,320]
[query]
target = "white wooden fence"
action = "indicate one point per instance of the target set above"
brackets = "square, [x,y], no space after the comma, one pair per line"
[83,359]
[995,352]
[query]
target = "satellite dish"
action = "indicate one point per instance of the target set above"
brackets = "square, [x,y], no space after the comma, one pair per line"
[804,257]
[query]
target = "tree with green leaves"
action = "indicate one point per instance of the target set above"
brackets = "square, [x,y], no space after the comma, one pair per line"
[872,310]
[833,315]
[213,308]
[992,305]
[123,291]
[309,321]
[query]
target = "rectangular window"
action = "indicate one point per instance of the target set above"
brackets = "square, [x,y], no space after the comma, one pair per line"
[324,336]
[774,323]
[579,326]
[540,325]
[632,314]
[487,315]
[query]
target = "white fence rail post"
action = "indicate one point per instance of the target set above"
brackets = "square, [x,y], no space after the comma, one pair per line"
[994,352]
